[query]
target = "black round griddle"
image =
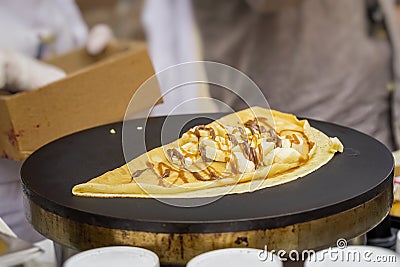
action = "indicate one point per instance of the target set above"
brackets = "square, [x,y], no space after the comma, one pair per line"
[363,171]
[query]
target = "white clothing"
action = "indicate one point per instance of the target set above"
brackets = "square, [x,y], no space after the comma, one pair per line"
[23,23]
[173,38]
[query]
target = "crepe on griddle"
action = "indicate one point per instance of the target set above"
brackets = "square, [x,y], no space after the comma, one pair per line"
[242,152]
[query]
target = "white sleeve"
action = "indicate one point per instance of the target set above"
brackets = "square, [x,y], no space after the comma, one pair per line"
[15,35]
[24,21]
[173,38]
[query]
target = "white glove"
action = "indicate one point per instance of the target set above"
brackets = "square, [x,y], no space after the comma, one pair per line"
[99,37]
[21,73]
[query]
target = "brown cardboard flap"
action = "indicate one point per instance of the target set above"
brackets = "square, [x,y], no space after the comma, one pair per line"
[96,91]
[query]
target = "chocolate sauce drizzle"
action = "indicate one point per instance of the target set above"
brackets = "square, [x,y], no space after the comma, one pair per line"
[138,173]
[203,127]
[210,174]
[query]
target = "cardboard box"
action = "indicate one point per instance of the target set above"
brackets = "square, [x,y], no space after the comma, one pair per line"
[96,91]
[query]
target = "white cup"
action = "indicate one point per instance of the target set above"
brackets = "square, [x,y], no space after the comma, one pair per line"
[121,256]
[236,257]
[398,242]
[354,256]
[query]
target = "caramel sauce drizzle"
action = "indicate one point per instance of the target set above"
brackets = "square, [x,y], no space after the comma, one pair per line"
[265,122]
[203,127]
[217,173]
[232,138]
[210,172]
[253,156]
[164,170]
[254,126]
[182,176]
[294,139]
[243,134]
[150,166]
[166,173]
[188,154]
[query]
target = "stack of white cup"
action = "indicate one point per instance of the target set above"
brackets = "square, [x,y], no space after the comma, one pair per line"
[120,256]
[398,243]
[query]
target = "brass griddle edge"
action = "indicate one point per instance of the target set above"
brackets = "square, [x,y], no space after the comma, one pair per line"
[179,248]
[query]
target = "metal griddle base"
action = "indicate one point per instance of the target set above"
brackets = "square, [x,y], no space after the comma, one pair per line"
[171,248]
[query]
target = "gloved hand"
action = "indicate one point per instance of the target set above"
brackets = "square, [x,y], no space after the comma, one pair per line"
[98,39]
[21,73]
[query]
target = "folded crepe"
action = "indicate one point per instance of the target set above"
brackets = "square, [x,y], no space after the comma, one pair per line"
[242,152]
